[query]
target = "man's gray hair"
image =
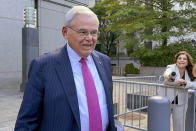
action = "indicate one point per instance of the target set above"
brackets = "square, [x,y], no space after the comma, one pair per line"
[76,10]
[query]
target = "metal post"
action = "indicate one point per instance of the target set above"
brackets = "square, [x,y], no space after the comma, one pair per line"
[30,42]
[158,114]
[190,114]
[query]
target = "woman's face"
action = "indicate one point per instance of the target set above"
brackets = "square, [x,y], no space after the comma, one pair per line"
[194,71]
[182,61]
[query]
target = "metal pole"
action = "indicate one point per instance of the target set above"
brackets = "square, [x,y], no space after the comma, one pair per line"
[158,114]
[30,42]
[190,114]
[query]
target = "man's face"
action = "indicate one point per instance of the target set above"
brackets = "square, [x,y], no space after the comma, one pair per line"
[82,35]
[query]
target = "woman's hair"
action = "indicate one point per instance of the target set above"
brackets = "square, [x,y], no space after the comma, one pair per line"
[189,66]
[194,67]
[76,10]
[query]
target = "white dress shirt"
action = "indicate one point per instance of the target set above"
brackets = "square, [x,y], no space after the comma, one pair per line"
[81,93]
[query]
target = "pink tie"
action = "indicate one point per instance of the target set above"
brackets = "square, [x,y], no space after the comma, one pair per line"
[95,122]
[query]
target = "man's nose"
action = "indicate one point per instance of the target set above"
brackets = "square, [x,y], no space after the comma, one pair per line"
[88,36]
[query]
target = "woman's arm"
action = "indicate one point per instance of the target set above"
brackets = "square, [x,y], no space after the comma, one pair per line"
[191,84]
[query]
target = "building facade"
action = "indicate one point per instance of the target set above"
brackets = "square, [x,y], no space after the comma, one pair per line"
[50,19]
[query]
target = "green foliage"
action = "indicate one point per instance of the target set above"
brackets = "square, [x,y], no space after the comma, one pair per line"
[162,56]
[147,21]
[138,23]
[130,69]
[107,40]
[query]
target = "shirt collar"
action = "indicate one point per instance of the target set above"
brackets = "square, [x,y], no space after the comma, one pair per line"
[74,57]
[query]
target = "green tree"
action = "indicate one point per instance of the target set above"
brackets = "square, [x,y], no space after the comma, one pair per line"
[107,40]
[140,22]
[163,55]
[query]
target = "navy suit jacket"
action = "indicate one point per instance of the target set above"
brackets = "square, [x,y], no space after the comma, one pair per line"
[50,100]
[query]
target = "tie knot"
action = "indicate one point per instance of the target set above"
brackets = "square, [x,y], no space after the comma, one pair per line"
[83,61]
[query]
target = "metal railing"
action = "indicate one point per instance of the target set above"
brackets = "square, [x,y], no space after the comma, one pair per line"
[147,79]
[130,97]
[117,70]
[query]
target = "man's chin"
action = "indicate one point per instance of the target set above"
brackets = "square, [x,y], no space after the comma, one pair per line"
[86,54]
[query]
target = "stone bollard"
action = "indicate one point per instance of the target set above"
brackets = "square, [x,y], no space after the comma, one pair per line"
[158,114]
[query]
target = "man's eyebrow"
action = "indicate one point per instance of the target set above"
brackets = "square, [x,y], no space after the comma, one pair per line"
[87,29]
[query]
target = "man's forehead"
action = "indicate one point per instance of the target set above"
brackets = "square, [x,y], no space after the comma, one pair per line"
[80,17]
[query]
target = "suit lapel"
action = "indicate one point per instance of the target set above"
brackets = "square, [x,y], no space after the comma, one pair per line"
[100,68]
[187,76]
[102,73]
[106,83]
[65,74]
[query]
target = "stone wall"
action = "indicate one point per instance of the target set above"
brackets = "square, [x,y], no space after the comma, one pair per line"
[152,70]
[144,71]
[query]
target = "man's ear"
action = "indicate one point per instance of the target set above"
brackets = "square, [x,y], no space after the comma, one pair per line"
[64,31]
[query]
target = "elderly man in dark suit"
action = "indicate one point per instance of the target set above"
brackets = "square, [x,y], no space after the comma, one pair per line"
[70,89]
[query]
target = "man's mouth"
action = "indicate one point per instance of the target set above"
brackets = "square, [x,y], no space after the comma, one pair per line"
[88,45]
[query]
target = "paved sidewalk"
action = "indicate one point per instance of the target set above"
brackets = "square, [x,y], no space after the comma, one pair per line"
[10,100]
